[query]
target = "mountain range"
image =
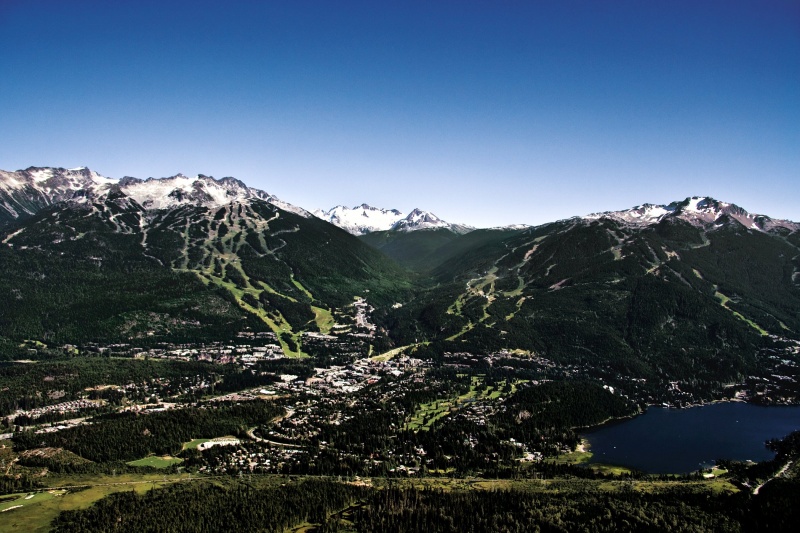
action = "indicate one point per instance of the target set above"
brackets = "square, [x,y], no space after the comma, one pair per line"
[25,192]
[365,219]
[697,289]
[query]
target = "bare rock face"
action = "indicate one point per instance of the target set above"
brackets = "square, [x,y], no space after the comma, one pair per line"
[699,211]
[25,192]
[364,219]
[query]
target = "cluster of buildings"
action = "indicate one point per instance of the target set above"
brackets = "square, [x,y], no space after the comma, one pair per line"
[73,406]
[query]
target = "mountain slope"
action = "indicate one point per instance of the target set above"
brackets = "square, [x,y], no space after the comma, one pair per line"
[24,192]
[425,250]
[689,294]
[263,267]
[697,290]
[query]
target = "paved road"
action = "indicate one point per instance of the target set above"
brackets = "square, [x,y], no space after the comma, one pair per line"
[778,474]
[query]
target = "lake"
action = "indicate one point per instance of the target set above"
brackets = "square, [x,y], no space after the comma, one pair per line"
[683,440]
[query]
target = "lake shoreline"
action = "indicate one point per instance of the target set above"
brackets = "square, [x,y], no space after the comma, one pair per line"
[668,440]
[612,419]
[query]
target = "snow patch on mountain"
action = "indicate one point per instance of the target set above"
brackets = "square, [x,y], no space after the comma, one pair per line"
[511,227]
[27,191]
[701,211]
[360,219]
[179,190]
[364,218]
[641,215]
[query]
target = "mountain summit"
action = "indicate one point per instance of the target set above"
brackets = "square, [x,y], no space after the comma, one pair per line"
[364,219]
[24,192]
[701,211]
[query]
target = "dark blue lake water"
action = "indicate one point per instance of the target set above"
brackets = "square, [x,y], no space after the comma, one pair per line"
[683,440]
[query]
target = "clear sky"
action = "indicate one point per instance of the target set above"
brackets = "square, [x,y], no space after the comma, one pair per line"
[486,113]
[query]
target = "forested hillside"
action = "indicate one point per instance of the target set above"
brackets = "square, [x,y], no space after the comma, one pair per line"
[672,299]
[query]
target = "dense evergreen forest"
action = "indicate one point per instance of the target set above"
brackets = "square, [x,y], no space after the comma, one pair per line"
[333,506]
[214,507]
[129,436]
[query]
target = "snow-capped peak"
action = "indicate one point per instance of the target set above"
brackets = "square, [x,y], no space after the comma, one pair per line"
[179,189]
[511,227]
[418,219]
[360,219]
[364,219]
[204,190]
[698,210]
[641,215]
[26,191]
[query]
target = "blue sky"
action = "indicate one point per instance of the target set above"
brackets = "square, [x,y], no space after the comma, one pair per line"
[485,113]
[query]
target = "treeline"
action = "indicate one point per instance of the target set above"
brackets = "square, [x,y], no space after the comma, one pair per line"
[749,474]
[18,483]
[559,405]
[201,507]
[437,511]
[787,447]
[129,436]
[330,506]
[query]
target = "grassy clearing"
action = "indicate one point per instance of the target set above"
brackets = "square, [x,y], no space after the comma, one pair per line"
[385,356]
[324,319]
[493,394]
[27,498]
[520,285]
[270,290]
[583,456]
[580,456]
[723,301]
[519,306]
[455,308]
[563,485]
[428,413]
[302,289]
[38,512]
[275,321]
[465,329]
[609,469]
[474,290]
[484,288]
[35,514]
[157,462]
[192,444]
